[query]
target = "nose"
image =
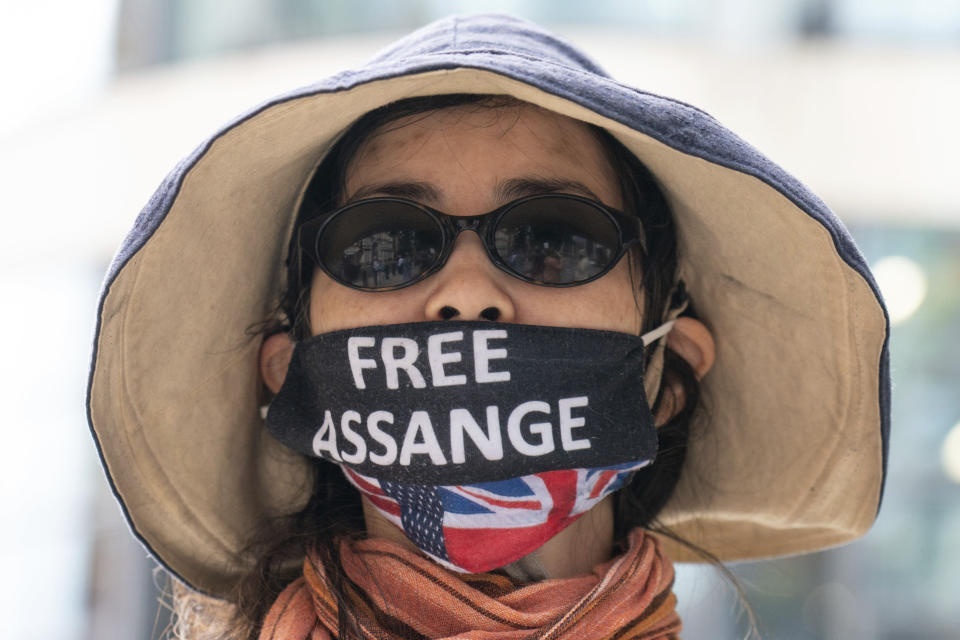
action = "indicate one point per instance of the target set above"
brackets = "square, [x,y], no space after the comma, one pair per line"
[469,286]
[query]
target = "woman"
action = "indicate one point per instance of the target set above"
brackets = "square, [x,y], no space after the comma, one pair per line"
[480,442]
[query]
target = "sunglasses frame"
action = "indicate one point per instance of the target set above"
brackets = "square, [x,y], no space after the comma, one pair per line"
[629,232]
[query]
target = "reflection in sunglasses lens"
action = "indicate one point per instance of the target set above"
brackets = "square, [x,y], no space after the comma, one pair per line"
[383,244]
[556,241]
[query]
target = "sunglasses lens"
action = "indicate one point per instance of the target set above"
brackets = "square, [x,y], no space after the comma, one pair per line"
[557,240]
[379,245]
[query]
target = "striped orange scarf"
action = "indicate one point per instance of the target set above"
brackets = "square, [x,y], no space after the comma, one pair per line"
[399,594]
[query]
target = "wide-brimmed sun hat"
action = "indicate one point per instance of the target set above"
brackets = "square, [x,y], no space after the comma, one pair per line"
[790,457]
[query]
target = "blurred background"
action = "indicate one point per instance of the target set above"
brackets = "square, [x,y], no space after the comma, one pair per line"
[858,98]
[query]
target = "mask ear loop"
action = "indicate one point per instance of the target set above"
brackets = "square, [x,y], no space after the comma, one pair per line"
[653,375]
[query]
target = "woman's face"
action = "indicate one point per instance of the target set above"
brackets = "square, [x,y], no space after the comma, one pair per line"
[468,161]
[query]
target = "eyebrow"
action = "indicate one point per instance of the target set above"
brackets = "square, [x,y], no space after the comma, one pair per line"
[414,190]
[520,187]
[504,191]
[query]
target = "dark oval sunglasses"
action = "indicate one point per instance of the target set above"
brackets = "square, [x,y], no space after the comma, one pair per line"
[555,240]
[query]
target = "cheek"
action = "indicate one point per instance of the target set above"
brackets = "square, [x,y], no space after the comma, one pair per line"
[614,300]
[334,307]
[606,304]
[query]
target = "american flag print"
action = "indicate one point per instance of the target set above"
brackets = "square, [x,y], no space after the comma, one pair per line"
[484,526]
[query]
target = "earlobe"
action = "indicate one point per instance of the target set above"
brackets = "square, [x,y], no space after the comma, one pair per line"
[275,354]
[692,341]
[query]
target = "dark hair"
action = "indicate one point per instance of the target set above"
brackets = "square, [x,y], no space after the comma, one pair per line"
[334,510]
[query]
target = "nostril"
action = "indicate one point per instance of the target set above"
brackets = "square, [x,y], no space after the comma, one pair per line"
[448,312]
[490,313]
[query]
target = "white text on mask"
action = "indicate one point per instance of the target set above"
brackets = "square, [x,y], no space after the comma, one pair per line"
[400,354]
[419,437]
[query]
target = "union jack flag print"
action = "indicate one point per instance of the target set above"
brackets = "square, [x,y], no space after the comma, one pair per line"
[459,526]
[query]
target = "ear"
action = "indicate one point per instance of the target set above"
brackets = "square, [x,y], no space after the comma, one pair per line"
[692,341]
[275,354]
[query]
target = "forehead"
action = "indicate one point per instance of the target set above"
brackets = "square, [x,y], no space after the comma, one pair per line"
[476,147]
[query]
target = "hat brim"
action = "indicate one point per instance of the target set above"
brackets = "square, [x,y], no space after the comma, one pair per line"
[788,455]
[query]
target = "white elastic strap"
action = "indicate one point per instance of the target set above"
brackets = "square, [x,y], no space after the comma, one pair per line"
[656,334]
[654,373]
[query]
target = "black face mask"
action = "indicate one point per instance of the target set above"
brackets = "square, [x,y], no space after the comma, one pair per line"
[442,403]
[455,429]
